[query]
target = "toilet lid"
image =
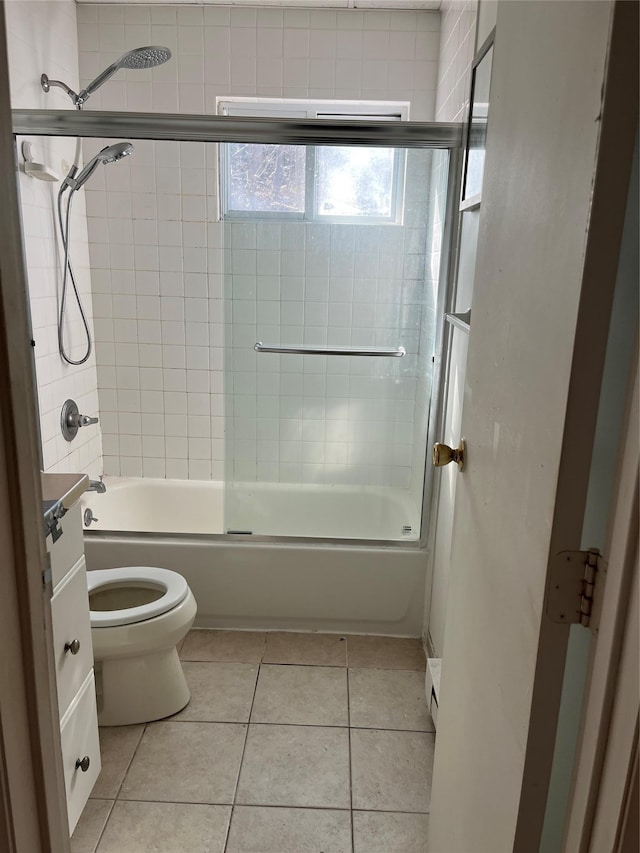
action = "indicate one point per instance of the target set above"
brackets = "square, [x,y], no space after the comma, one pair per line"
[173,586]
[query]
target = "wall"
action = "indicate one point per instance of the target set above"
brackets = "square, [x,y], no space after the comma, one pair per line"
[457,48]
[158,281]
[43,37]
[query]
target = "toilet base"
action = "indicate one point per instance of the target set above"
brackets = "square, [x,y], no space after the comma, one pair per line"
[141,689]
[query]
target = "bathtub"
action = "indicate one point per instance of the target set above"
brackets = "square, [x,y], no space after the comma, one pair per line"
[266,509]
[262,581]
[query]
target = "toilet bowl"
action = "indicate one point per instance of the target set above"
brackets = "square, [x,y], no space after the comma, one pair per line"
[139,614]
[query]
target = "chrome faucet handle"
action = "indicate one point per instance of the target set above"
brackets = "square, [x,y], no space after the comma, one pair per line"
[71,420]
[85,420]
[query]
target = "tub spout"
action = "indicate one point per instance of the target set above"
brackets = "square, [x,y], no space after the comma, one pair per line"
[96,486]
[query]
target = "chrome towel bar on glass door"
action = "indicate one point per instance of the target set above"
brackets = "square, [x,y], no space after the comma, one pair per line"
[370,351]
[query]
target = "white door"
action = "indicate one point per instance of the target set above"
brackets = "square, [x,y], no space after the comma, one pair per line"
[544,278]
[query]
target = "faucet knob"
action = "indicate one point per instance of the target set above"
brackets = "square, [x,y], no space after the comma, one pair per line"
[71,420]
[85,420]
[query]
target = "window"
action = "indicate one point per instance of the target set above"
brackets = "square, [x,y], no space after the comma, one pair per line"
[319,183]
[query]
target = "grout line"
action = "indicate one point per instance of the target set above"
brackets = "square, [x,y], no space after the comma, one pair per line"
[135,752]
[97,844]
[273,806]
[297,725]
[298,663]
[244,748]
[124,776]
[353,843]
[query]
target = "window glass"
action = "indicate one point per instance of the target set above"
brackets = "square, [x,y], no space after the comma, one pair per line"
[354,182]
[307,182]
[266,178]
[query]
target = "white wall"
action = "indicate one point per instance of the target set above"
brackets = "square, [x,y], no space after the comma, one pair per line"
[43,37]
[457,47]
[155,240]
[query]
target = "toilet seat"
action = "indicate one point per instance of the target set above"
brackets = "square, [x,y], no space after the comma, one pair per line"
[173,586]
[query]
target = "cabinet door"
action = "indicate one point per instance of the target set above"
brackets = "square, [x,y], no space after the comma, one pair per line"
[80,750]
[71,634]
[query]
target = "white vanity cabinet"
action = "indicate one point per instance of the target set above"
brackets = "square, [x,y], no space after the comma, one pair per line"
[74,664]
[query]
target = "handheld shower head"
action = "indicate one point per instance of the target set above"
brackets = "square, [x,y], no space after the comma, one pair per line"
[136,59]
[110,154]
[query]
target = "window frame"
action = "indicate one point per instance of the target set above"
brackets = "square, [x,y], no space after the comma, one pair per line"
[307,108]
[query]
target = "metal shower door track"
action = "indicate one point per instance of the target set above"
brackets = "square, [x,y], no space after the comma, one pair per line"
[214,128]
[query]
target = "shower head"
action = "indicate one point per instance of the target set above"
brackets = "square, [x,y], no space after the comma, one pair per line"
[144,57]
[136,59]
[110,154]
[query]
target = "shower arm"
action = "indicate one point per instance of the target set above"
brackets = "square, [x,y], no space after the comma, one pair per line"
[47,83]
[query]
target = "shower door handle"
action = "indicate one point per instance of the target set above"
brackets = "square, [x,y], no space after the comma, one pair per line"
[398,352]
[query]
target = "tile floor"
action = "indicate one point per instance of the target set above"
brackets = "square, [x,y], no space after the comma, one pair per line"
[291,743]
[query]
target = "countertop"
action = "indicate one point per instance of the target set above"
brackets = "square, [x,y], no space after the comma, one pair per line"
[59,493]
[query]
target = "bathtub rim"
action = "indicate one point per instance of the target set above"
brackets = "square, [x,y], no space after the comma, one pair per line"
[247,538]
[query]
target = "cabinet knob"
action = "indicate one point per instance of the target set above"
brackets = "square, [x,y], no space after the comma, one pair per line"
[83,763]
[73,647]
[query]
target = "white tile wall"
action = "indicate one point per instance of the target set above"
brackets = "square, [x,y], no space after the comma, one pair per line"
[157,248]
[43,37]
[315,419]
[457,47]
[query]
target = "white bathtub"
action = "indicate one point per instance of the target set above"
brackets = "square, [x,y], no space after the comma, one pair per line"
[157,506]
[266,509]
[248,582]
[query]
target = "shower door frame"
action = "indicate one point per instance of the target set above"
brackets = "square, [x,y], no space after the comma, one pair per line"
[286,131]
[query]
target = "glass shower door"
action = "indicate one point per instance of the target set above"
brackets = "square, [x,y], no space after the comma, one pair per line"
[330,326]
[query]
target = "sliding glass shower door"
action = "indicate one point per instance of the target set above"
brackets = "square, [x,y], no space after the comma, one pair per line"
[266,314]
[331,271]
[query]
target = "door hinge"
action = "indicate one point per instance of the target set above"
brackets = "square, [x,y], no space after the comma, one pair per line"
[574,593]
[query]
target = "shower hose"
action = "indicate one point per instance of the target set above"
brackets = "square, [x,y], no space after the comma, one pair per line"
[68,274]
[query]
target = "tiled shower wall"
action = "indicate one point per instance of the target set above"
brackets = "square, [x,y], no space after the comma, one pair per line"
[43,37]
[317,419]
[457,48]
[155,242]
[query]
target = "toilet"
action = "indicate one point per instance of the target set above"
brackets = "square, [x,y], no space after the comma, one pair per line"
[139,614]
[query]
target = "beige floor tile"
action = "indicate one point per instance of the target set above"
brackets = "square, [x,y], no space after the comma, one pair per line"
[220,692]
[295,766]
[165,828]
[385,653]
[231,646]
[391,771]
[388,699]
[386,832]
[117,746]
[89,828]
[301,695]
[186,763]
[310,649]
[276,830]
